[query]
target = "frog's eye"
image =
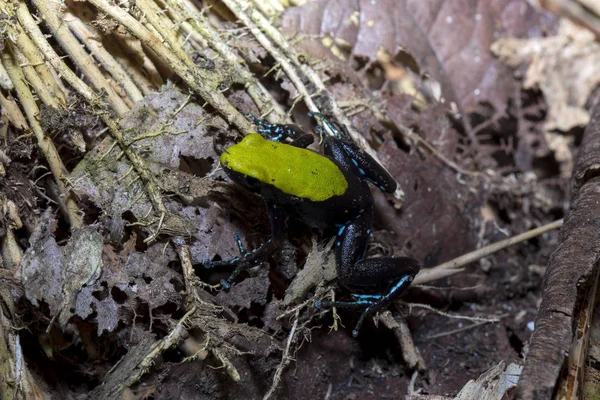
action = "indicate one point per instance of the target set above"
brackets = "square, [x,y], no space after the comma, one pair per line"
[251,183]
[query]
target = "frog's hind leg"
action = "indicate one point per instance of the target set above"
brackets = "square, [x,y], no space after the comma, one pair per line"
[398,272]
[393,274]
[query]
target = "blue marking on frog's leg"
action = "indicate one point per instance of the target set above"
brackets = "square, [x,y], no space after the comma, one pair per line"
[363,297]
[384,300]
[238,240]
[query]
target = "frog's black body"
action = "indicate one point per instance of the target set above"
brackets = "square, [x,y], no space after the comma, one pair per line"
[351,213]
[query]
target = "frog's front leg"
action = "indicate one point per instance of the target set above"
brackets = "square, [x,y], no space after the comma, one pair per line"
[391,275]
[346,152]
[248,259]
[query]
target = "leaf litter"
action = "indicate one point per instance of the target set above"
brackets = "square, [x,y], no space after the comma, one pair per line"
[133,279]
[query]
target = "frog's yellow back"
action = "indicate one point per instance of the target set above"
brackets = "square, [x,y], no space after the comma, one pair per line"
[293,170]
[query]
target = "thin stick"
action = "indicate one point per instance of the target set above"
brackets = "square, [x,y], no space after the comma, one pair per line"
[285,359]
[454,266]
[38,61]
[410,353]
[455,331]
[200,30]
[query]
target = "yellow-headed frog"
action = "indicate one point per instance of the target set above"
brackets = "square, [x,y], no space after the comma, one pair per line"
[329,190]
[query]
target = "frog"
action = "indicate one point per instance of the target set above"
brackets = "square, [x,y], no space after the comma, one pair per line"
[322,190]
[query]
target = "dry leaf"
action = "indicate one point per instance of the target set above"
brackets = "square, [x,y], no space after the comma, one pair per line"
[564,67]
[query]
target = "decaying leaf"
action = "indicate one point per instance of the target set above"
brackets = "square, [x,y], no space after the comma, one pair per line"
[55,274]
[130,282]
[564,68]
[319,268]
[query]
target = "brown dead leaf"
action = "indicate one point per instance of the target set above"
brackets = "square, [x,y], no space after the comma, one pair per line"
[449,40]
[564,68]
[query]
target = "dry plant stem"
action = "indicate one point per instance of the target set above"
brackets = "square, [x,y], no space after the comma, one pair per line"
[576,12]
[269,8]
[570,386]
[288,59]
[11,251]
[144,74]
[454,331]
[430,274]
[203,82]
[38,38]
[71,45]
[410,353]
[108,62]
[229,367]
[286,358]
[412,136]
[197,25]
[170,340]
[12,110]
[448,315]
[32,77]
[45,144]
[38,61]
[94,100]
[239,9]
[165,28]
[5,82]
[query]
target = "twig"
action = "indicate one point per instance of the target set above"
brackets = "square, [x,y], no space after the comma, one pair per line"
[156,17]
[94,44]
[13,112]
[449,315]
[454,266]
[199,28]
[38,61]
[455,331]
[11,252]
[576,12]
[94,100]
[285,359]
[171,339]
[410,353]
